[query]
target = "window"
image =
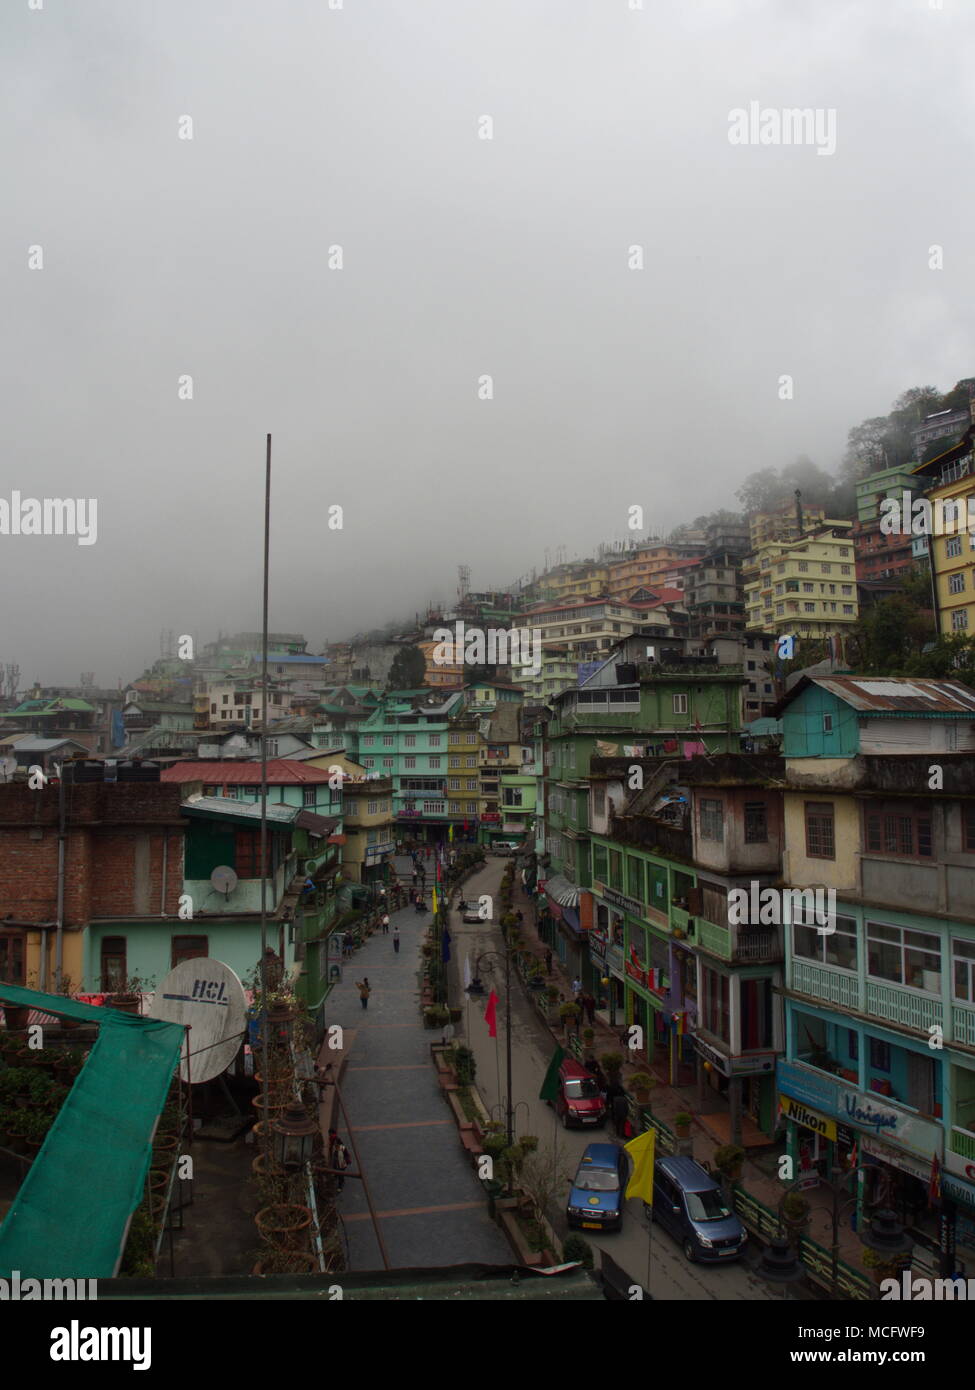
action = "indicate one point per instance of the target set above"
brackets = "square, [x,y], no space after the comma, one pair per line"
[434,740]
[968,827]
[367,738]
[963,970]
[472,738]
[879,1055]
[226,699]
[13,945]
[756,823]
[715,1011]
[471,808]
[188,948]
[820,842]
[308,796]
[434,764]
[409,762]
[247,854]
[846,590]
[387,740]
[351,807]
[387,762]
[898,830]
[679,704]
[409,740]
[844,569]
[455,762]
[904,957]
[953,547]
[369,762]
[211,790]
[453,784]
[956,583]
[827,723]
[712,819]
[848,608]
[808,588]
[809,607]
[472,762]
[372,808]
[213,709]
[959,620]
[826,569]
[838,948]
[115,970]
[803,566]
[433,808]
[513,796]
[634,878]
[599,862]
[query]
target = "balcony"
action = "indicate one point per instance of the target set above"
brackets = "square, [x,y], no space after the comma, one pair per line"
[963,1025]
[829,986]
[739,947]
[905,1006]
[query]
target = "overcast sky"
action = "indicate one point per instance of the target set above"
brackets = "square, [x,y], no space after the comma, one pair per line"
[462,257]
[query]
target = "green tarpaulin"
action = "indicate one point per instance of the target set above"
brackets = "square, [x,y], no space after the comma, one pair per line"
[71,1214]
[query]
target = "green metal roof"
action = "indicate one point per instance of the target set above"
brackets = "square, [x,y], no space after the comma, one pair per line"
[70,1217]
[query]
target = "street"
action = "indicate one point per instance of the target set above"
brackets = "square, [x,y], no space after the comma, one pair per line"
[671,1276]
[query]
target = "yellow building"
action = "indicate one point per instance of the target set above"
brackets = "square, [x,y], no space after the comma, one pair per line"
[951,538]
[464,744]
[806,587]
[783,524]
[367,816]
[451,672]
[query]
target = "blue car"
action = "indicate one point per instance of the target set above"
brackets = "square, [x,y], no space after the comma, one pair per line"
[689,1204]
[596,1198]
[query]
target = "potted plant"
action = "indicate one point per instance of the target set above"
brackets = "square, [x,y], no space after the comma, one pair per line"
[612,1065]
[15,1017]
[127,998]
[880,1268]
[682,1124]
[284,1225]
[641,1084]
[286,1262]
[568,1013]
[728,1160]
[795,1210]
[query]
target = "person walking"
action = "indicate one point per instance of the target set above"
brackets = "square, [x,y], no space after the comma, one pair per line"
[385,924]
[589,1004]
[620,1107]
[396,940]
[365,989]
[338,1157]
[415,876]
[577,986]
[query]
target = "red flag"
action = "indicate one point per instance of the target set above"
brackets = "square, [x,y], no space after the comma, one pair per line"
[934,1186]
[439,872]
[491,1015]
[697,723]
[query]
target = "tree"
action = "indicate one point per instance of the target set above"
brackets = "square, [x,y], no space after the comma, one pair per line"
[890,634]
[542,1176]
[408,670]
[948,658]
[760,490]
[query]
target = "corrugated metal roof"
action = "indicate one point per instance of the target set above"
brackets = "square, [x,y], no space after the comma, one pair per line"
[246,810]
[902,694]
[43,745]
[279,771]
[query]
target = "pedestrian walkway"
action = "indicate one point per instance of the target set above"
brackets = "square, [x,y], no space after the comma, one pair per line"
[431,1209]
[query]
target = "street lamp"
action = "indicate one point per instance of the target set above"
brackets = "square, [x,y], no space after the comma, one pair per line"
[884,1233]
[509,1109]
[294,1136]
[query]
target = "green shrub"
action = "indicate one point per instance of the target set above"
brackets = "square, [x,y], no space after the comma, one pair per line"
[575,1248]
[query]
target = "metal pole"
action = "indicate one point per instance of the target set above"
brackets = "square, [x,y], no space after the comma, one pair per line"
[265,1065]
[507,1041]
[59,936]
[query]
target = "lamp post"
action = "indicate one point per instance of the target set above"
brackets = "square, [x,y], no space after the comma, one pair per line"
[884,1234]
[506,956]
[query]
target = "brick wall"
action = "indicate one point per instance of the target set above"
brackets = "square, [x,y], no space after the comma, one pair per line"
[114,851]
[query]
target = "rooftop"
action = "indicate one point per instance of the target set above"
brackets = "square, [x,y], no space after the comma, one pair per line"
[280,772]
[891,694]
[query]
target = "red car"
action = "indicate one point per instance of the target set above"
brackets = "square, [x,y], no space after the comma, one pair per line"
[580,1101]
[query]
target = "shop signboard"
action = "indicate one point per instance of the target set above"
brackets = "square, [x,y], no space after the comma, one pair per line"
[712,1055]
[811,1087]
[888,1122]
[801,1114]
[897,1158]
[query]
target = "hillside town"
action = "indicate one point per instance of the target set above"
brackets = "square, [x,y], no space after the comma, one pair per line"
[676,842]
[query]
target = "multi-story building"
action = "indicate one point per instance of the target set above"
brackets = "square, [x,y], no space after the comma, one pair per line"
[648,566]
[406,738]
[784,524]
[880,1011]
[952,540]
[464,756]
[946,425]
[715,596]
[369,827]
[588,630]
[804,587]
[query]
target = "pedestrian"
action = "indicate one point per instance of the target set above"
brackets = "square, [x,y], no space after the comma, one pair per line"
[385,924]
[365,989]
[621,1111]
[396,940]
[548,961]
[338,1157]
[589,1004]
[576,985]
[415,877]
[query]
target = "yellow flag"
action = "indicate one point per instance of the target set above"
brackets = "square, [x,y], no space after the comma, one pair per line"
[450,832]
[434,901]
[641,1150]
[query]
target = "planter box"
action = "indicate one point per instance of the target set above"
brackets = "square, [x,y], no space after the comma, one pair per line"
[508,1221]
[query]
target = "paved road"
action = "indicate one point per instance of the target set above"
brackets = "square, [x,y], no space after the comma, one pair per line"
[431,1208]
[672,1276]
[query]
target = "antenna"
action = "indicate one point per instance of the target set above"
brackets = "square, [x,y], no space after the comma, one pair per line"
[224,879]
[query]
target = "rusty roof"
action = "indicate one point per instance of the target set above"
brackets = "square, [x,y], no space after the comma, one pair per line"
[226,773]
[892,694]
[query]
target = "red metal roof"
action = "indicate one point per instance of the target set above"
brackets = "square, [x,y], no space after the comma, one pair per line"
[280,771]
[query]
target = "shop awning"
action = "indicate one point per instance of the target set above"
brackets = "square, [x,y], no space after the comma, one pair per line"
[561,891]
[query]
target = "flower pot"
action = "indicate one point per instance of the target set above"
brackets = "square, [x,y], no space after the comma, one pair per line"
[642,1095]
[683,1131]
[274,1104]
[165,1145]
[126,1006]
[16,1018]
[285,1227]
[158,1180]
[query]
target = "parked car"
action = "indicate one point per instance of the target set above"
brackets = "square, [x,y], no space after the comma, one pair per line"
[596,1196]
[470,913]
[505,847]
[690,1205]
[580,1102]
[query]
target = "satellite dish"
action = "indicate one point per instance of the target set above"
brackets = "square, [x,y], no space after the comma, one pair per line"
[8,766]
[208,997]
[224,879]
